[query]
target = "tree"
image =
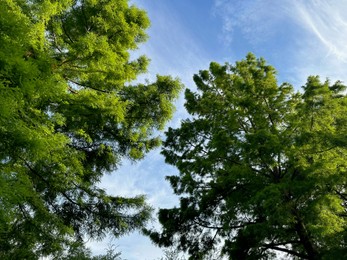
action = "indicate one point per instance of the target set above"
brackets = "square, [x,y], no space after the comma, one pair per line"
[70,113]
[262,168]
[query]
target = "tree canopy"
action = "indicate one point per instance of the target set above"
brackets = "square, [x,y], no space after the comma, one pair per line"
[262,168]
[69,113]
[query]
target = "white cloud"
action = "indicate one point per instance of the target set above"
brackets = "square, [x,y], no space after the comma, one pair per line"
[145,177]
[325,43]
[314,34]
[328,22]
[251,18]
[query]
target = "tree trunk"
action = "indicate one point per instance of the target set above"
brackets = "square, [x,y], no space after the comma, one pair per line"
[309,247]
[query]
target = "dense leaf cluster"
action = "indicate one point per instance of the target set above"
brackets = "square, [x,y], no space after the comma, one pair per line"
[69,114]
[262,167]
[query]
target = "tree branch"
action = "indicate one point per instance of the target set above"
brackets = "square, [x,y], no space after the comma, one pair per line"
[286,250]
[62,25]
[88,86]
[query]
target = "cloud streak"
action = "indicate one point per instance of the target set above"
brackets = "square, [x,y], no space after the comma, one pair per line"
[328,22]
[311,35]
[251,18]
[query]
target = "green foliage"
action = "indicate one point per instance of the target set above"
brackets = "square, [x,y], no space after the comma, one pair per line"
[171,254]
[78,251]
[69,113]
[262,168]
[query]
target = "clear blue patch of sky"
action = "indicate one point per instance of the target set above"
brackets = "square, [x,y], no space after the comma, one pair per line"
[203,25]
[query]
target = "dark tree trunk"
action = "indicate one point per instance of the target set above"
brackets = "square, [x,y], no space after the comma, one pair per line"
[305,240]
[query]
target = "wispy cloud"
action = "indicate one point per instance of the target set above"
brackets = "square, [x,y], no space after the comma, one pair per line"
[311,35]
[251,18]
[327,20]
[325,43]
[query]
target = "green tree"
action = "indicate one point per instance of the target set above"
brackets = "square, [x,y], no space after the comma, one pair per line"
[70,113]
[262,168]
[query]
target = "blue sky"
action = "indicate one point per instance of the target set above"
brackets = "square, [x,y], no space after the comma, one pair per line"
[298,37]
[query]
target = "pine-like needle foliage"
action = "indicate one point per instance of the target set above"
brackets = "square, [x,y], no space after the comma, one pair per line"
[69,114]
[263,169]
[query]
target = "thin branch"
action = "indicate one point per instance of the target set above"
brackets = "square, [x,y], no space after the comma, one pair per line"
[206,226]
[268,106]
[87,86]
[62,25]
[292,252]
